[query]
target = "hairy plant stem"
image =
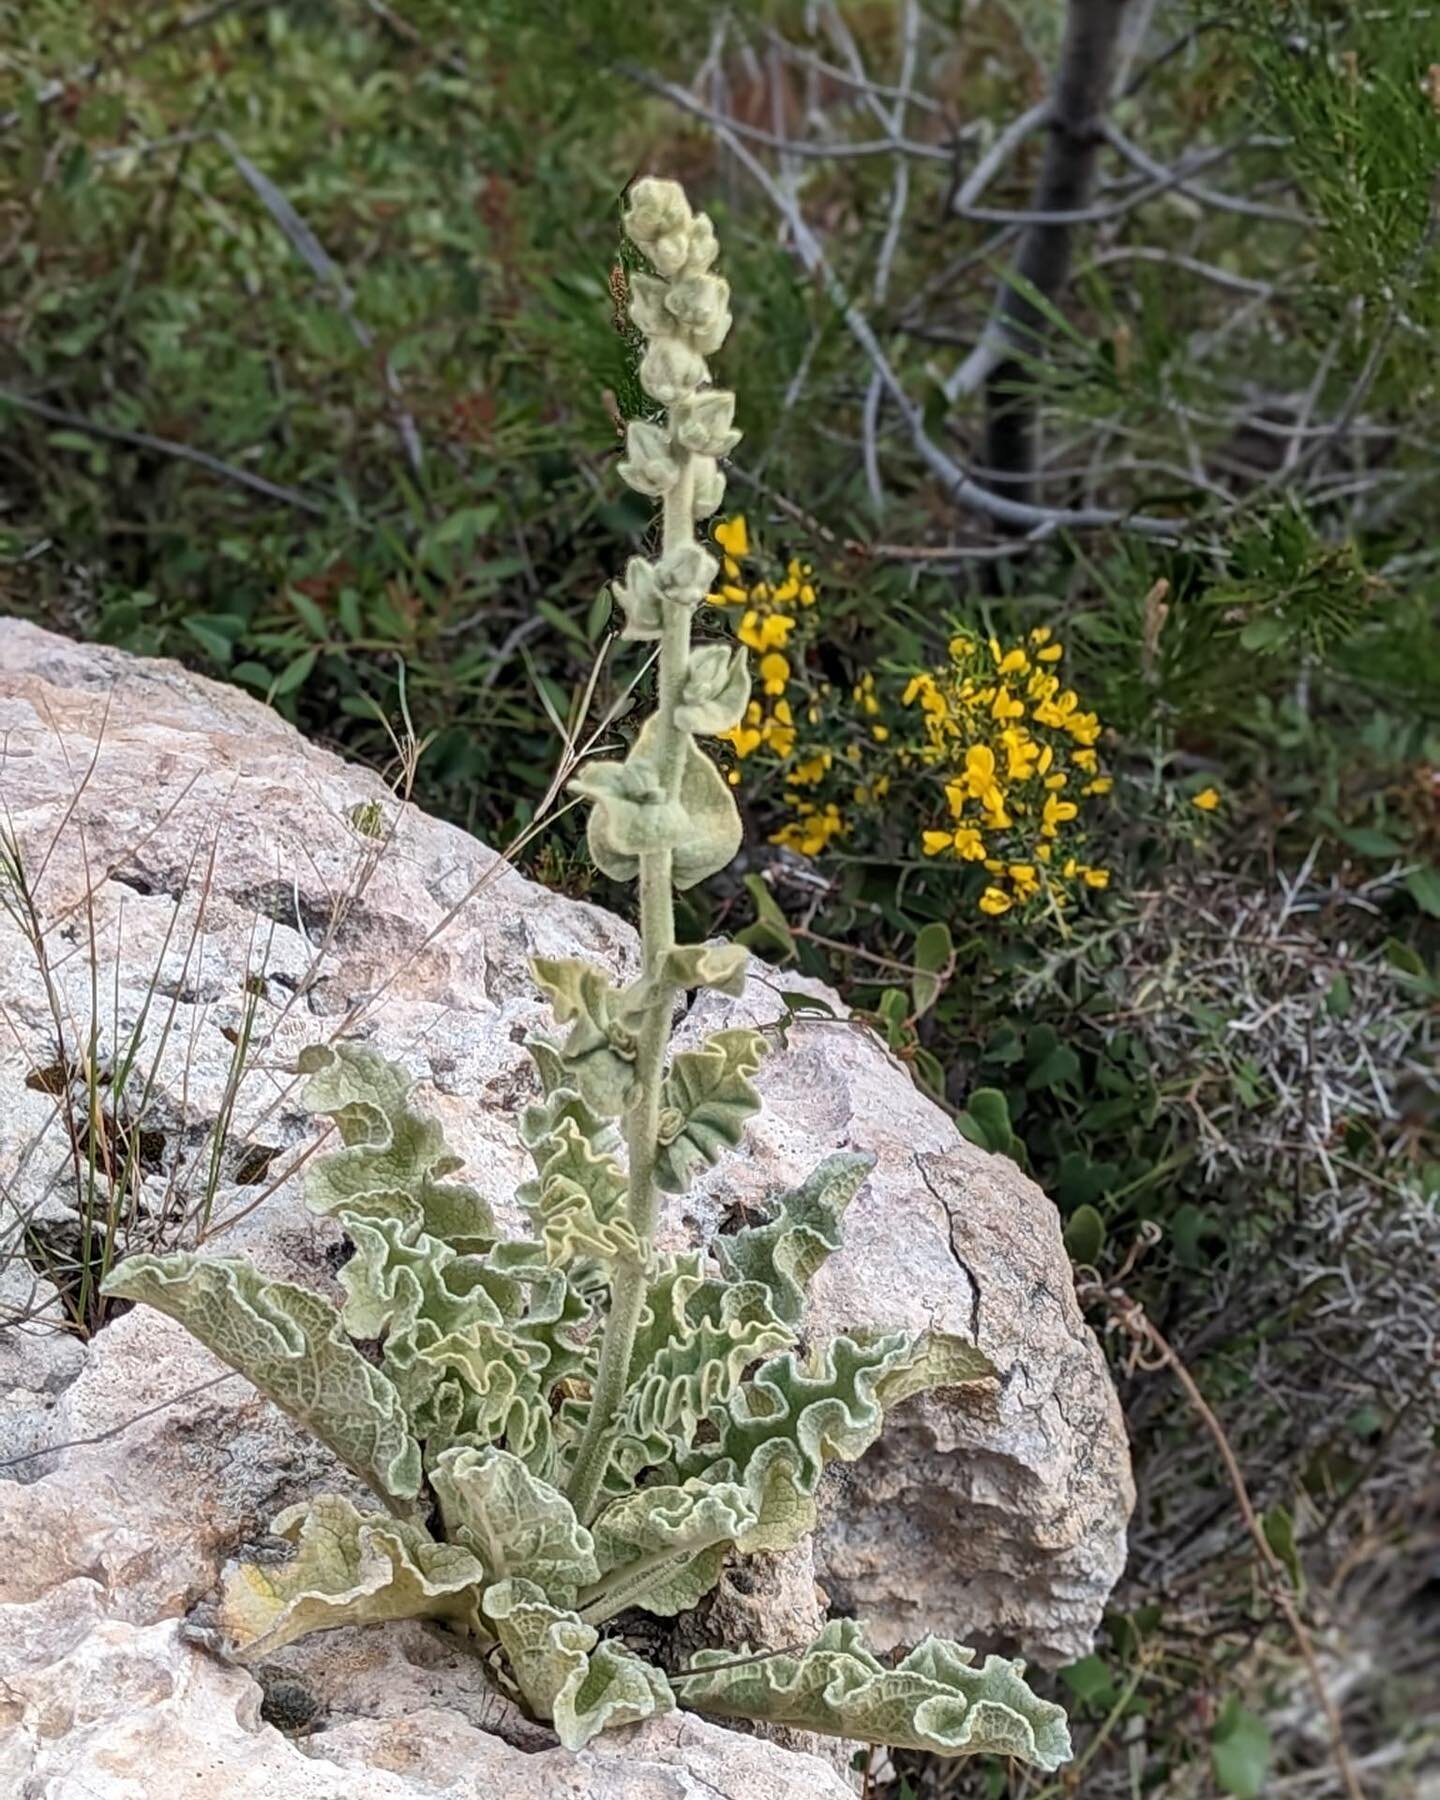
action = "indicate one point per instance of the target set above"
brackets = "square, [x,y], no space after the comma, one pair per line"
[624,1586]
[642,1121]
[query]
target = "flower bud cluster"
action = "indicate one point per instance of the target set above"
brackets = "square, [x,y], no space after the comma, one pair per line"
[683,576]
[683,311]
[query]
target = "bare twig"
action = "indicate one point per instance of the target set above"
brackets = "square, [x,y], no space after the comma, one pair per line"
[144,440]
[115,1431]
[1192,265]
[1131,1318]
[899,199]
[310,250]
[960,487]
[1195,190]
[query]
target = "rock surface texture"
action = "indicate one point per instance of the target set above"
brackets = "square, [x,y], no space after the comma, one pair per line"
[207,893]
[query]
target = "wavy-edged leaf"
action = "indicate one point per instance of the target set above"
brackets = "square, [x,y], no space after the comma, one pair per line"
[349,1568]
[687,1381]
[598,1054]
[395,1159]
[804,1228]
[934,1699]
[495,1369]
[557,1321]
[562,1100]
[514,1523]
[471,1345]
[937,1359]
[566,1153]
[662,1548]
[796,1414]
[565,1672]
[578,1202]
[565,1217]
[399,1274]
[718,966]
[289,1343]
[697,1335]
[706,1099]
[665,1315]
[633,815]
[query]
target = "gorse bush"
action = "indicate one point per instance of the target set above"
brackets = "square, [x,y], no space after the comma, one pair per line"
[990,755]
[566,1426]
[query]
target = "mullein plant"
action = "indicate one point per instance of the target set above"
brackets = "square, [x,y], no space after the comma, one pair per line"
[566,1428]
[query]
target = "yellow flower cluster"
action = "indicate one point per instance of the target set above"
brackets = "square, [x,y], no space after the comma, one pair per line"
[1015,751]
[1018,757]
[772,612]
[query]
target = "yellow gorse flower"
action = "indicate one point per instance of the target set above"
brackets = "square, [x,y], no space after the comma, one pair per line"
[765,631]
[771,617]
[812,829]
[1011,747]
[1015,753]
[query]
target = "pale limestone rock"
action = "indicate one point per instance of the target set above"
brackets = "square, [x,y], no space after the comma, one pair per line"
[39,1358]
[128,1712]
[216,861]
[675,1758]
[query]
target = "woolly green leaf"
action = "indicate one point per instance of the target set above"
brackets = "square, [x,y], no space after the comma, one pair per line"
[562,1100]
[556,1319]
[511,1412]
[665,1316]
[578,1203]
[288,1342]
[784,1253]
[640,600]
[546,1645]
[796,1414]
[684,1384]
[704,1104]
[937,1359]
[718,966]
[394,1158]
[496,1370]
[933,1699]
[565,1154]
[713,832]
[349,1568]
[398,1273]
[682,577]
[516,1525]
[565,1673]
[633,815]
[565,1216]
[549,1067]
[662,1548]
[682,1297]
[716,689]
[470,1345]
[651,466]
[598,1056]
[681,1302]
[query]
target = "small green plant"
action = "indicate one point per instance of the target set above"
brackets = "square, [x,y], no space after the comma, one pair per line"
[567,1426]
